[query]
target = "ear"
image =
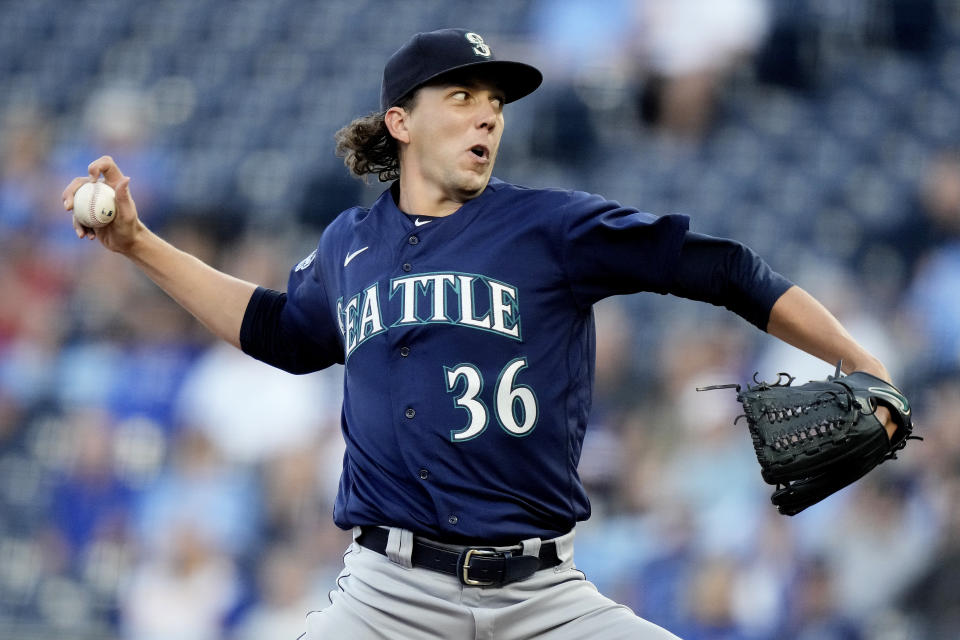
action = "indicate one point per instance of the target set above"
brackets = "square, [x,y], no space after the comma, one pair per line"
[396,120]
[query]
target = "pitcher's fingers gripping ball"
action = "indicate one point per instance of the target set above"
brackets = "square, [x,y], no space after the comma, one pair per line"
[95,205]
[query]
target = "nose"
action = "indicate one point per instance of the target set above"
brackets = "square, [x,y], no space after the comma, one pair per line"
[487,115]
[487,120]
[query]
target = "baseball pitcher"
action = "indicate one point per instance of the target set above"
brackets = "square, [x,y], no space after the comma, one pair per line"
[461,307]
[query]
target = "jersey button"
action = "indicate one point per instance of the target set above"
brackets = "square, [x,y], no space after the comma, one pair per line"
[453,519]
[407,266]
[409,412]
[413,239]
[423,473]
[404,351]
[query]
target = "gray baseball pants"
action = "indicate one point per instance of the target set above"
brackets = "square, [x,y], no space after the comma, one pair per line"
[384,597]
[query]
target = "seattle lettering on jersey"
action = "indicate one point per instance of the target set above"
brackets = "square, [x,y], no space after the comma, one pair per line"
[462,299]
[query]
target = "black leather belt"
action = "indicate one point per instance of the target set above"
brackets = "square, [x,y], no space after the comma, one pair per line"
[474,566]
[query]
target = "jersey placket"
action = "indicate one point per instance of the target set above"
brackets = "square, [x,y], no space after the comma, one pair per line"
[407,369]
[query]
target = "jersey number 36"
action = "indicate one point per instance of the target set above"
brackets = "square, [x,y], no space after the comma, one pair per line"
[515,404]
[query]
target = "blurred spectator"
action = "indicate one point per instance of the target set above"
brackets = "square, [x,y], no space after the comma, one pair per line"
[29,550]
[762,586]
[932,307]
[11,421]
[659,590]
[939,219]
[219,502]
[789,56]
[285,594]
[711,614]
[575,39]
[709,447]
[616,395]
[90,501]
[617,373]
[325,196]
[929,243]
[250,410]
[300,486]
[184,593]
[34,322]
[932,221]
[678,53]
[930,603]
[565,131]
[912,25]
[805,35]
[35,270]
[688,49]
[932,600]
[886,514]
[582,53]
[938,405]
[118,120]
[816,614]
[27,186]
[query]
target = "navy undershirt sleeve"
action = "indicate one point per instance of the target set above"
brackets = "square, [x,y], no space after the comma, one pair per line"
[727,273]
[265,335]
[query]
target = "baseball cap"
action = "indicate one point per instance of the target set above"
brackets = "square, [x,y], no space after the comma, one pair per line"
[426,56]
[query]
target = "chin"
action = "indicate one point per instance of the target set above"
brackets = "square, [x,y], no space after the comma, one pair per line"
[467,193]
[473,186]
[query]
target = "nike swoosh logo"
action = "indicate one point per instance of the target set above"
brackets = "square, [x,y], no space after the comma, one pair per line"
[418,222]
[896,399]
[351,256]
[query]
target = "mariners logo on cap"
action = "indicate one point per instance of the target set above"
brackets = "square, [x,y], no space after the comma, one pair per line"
[479,46]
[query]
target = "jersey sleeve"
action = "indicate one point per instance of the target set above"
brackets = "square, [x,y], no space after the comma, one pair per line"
[609,249]
[728,273]
[294,331]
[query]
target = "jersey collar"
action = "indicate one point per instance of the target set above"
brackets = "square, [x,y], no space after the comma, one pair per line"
[395,222]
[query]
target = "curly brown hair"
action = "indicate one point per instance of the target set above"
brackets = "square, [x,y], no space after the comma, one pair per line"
[366,145]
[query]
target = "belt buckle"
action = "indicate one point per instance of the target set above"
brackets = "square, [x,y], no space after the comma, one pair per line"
[465,567]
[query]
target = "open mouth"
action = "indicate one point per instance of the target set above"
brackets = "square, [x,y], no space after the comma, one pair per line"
[480,151]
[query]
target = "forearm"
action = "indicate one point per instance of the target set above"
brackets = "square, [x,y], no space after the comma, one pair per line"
[800,320]
[216,299]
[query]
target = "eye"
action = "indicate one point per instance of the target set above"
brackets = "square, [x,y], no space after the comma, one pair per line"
[459,96]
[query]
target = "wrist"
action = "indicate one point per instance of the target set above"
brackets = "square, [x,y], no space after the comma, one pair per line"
[868,364]
[137,242]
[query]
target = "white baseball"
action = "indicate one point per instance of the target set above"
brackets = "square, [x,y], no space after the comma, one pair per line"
[95,204]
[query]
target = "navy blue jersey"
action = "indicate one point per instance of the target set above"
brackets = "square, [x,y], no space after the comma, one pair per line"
[468,345]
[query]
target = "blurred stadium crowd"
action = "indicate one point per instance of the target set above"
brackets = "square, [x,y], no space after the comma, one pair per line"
[155,485]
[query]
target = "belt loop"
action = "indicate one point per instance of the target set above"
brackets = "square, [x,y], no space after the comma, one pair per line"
[356,533]
[531,547]
[564,546]
[400,547]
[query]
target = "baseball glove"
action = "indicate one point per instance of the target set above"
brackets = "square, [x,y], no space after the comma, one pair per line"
[814,439]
